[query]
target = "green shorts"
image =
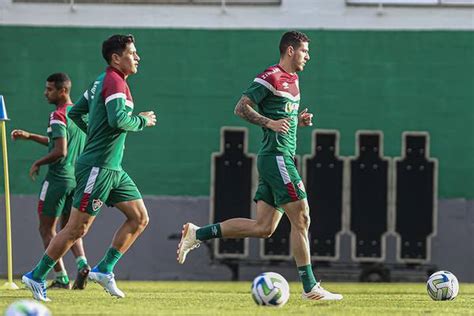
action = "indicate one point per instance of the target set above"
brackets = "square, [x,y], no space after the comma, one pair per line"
[55,198]
[279,182]
[98,185]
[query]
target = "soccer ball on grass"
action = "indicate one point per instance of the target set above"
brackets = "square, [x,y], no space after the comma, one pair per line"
[270,289]
[442,286]
[27,308]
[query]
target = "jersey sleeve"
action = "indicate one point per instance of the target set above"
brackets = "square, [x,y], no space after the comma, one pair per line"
[78,113]
[114,94]
[256,92]
[58,125]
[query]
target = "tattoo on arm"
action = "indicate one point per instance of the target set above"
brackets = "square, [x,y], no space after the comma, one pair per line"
[245,109]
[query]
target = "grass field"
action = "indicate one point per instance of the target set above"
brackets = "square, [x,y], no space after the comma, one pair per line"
[233,298]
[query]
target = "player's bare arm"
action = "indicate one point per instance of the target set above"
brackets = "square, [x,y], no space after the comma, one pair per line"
[245,109]
[59,151]
[305,118]
[17,134]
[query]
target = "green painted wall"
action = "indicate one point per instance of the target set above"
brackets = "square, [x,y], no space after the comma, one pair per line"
[388,80]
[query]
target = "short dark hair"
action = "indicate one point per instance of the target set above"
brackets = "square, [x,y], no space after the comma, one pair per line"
[115,44]
[60,79]
[292,38]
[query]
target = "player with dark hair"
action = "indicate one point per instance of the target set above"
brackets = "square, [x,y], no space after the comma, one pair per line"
[276,95]
[99,174]
[65,141]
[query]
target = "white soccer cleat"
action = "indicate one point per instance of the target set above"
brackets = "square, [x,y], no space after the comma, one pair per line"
[37,288]
[107,281]
[318,293]
[188,241]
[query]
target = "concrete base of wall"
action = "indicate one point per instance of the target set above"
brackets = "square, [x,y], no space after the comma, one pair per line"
[153,257]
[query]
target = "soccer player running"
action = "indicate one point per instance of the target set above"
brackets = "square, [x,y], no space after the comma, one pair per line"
[99,174]
[65,141]
[280,190]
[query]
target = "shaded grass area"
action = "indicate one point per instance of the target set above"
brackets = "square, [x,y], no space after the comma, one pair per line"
[233,298]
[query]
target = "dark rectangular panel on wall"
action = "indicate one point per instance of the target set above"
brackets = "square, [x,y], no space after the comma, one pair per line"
[415,198]
[231,188]
[323,173]
[369,178]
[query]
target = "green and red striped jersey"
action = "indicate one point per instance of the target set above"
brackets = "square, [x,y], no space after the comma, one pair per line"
[109,105]
[60,126]
[277,95]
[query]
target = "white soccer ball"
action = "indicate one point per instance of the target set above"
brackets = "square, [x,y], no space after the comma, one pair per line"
[442,286]
[270,289]
[27,308]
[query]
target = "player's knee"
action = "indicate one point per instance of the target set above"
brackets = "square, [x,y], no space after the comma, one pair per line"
[143,222]
[303,221]
[83,231]
[78,232]
[140,223]
[306,221]
[265,231]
